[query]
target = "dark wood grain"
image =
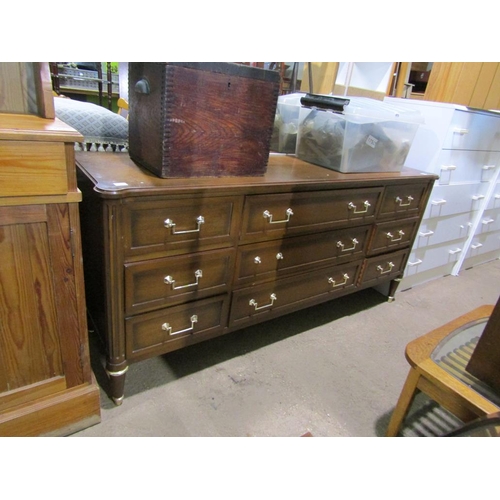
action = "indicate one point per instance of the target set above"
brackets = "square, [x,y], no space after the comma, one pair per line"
[201,120]
[128,250]
[485,360]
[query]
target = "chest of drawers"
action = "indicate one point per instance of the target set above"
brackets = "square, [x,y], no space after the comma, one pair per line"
[462,146]
[172,262]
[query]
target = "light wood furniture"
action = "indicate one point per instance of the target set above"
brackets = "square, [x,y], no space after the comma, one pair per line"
[122,107]
[172,262]
[46,383]
[474,84]
[438,363]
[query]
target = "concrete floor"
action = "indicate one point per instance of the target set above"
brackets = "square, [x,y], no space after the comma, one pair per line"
[332,370]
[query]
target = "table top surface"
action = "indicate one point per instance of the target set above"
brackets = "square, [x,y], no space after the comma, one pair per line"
[116,175]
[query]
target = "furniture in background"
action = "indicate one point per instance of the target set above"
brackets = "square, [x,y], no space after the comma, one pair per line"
[122,107]
[172,262]
[438,368]
[46,382]
[461,226]
[85,79]
[474,84]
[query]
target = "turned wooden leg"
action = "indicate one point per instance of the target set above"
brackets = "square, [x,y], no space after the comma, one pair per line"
[116,384]
[393,286]
[405,399]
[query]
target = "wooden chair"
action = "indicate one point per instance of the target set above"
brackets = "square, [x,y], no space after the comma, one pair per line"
[438,367]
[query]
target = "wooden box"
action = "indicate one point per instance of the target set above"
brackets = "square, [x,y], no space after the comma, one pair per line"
[201,119]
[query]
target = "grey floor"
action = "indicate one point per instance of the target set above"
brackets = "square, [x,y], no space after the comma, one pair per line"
[333,370]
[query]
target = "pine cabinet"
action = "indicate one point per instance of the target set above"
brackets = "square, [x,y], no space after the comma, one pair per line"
[46,382]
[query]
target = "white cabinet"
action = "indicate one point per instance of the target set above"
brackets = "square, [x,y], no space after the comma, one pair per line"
[461,226]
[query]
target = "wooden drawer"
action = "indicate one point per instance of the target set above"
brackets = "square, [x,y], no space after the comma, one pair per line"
[265,261]
[387,266]
[180,225]
[174,327]
[273,216]
[40,165]
[158,283]
[272,299]
[403,200]
[389,236]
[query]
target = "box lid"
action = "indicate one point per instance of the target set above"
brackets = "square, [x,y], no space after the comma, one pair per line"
[366,110]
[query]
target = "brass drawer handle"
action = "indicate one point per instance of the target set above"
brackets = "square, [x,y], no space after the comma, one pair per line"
[169,280]
[334,284]
[168,328]
[381,269]
[254,303]
[170,224]
[268,215]
[390,236]
[352,206]
[341,245]
[279,256]
[400,201]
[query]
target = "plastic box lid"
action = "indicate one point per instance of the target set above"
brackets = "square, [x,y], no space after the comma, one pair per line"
[292,99]
[367,110]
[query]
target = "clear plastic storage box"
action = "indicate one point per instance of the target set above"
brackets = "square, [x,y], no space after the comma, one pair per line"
[286,123]
[366,136]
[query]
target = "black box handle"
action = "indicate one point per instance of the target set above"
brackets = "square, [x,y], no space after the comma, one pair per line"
[336,104]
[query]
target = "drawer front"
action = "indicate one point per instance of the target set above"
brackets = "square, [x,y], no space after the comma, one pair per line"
[442,229]
[271,299]
[180,226]
[387,266]
[268,260]
[495,198]
[273,216]
[490,221]
[484,243]
[405,200]
[159,283]
[40,165]
[174,327]
[389,236]
[445,254]
[475,131]
[456,166]
[455,199]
